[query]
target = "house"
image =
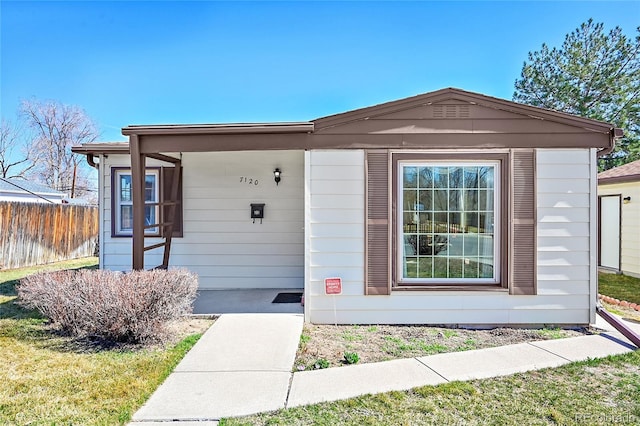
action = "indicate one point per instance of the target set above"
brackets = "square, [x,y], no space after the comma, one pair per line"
[14,189]
[619,226]
[449,207]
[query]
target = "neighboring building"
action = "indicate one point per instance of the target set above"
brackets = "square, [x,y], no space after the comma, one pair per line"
[449,207]
[13,189]
[619,203]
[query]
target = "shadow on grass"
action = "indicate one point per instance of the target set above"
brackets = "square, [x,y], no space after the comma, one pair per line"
[10,308]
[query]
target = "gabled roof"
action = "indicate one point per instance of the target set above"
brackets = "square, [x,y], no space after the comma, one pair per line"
[23,186]
[454,94]
[629,172]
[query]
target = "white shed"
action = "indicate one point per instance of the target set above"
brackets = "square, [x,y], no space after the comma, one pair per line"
[619,225]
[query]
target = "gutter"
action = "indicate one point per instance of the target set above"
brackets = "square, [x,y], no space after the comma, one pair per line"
[223,129]
[614,134]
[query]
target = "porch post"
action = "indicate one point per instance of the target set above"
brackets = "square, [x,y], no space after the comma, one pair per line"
[137,186]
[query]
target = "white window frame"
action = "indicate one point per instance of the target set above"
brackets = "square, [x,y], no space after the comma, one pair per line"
[497,223]
[119,231]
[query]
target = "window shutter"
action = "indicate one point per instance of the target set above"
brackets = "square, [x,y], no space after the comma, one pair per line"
[522,264]
[167,176]
[377,258]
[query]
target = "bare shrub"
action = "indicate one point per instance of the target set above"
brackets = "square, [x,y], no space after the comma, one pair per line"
[122,307]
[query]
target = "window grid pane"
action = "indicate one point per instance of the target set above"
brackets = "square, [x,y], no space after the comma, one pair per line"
[125,201]
[448,214]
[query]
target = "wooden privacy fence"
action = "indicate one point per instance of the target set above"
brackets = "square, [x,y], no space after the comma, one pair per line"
[35,233]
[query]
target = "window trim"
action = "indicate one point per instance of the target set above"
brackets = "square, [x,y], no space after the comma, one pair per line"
[497,219]
[502,159]
[116,172]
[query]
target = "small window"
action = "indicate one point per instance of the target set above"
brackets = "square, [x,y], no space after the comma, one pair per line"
[448,222]
[123,202]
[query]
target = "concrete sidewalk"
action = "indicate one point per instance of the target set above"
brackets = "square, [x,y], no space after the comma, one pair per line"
[242,365]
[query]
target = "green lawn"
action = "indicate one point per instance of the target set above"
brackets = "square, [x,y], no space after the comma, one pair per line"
[605,391]
[622,287]
[49,379]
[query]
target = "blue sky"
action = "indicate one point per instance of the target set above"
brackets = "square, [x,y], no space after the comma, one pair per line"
[210,62]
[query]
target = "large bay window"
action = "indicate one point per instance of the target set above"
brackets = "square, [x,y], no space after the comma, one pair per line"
[448,222]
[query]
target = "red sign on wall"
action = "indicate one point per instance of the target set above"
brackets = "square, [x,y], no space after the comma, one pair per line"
[333,285]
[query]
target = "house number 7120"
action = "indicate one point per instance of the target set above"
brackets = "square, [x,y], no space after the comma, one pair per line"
[250,181]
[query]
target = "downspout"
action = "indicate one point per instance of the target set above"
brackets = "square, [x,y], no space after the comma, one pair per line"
[618,324]
[92,162]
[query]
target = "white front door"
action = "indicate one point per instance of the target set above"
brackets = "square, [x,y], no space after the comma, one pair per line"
[610,231]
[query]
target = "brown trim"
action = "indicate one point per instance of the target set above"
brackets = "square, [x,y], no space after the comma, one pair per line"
[600,229]
[138,169]
[619,232]
[224,128]
[377,259]
[150,144]
[456,140]
[503,158]
[114,193]
[165,158]
[523,223]
[102,148]
[170,193]
[165,181]
[452,287]
[619,179]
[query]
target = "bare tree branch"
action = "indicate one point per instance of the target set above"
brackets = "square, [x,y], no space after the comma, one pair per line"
[15,152]
[56,128]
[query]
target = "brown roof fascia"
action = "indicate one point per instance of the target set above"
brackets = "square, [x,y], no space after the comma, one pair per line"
[212,129]
[102,148]
[458,94]
[618,179]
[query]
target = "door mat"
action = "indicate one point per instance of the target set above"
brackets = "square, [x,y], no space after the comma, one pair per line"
[288,298]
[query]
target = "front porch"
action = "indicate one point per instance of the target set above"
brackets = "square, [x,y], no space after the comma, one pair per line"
[255,301]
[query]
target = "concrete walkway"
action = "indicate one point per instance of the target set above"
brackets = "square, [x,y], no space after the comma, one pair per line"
[242,365]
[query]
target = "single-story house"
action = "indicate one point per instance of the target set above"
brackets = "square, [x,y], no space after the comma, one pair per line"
[449,207]
[619,226]
[14,189]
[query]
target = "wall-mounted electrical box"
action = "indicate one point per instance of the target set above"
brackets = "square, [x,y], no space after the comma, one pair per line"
[257,212]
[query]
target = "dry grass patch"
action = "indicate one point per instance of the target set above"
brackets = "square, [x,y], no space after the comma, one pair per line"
[626,313]
[323,346]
